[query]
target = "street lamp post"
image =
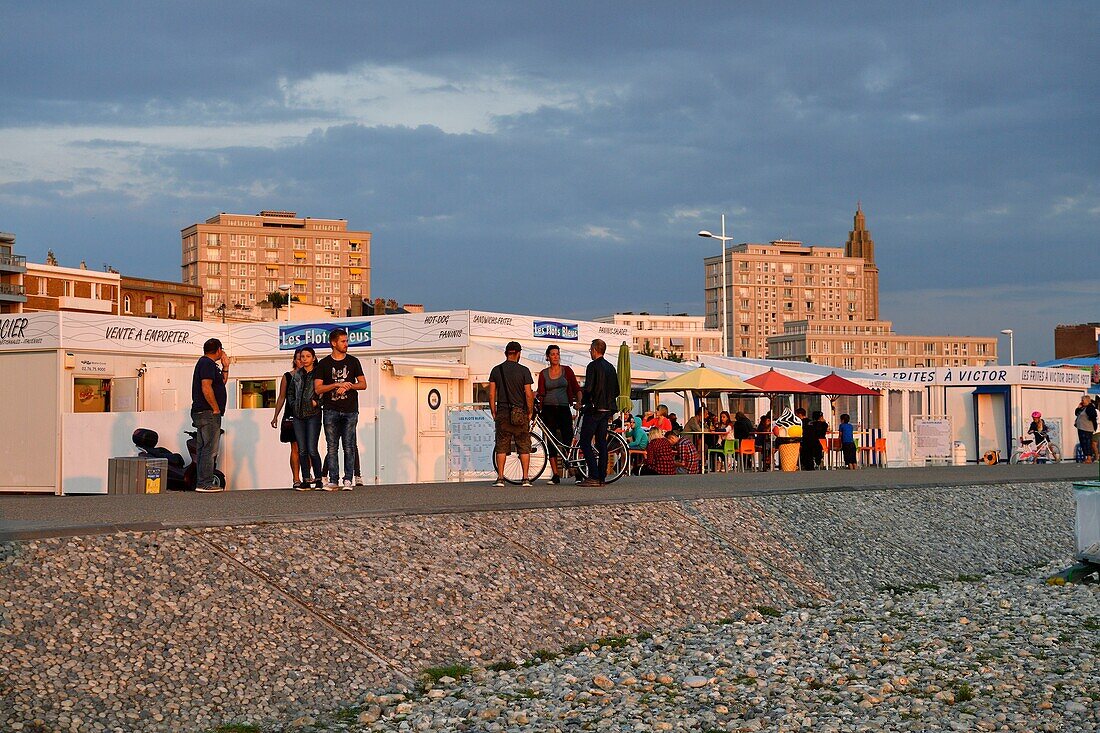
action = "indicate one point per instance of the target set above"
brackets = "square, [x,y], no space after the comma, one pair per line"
[722,306]
[1011,346]
[285,289]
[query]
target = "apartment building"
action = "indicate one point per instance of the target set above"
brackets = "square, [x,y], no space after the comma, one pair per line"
[865,345]
[785,300]
[238,259]
[769,285]
[12,269]
[1080,339]
[664,335]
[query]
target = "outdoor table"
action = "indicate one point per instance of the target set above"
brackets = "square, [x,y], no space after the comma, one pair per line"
[702,446]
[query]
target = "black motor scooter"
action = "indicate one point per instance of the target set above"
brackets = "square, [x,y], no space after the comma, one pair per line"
[181,476]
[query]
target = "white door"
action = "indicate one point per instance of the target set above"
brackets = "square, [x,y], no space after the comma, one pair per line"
[124,394]
[991,424]
[432,398]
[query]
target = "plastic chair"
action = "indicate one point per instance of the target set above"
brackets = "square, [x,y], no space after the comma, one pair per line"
[637,460]
[746,448]
[877,452]
[728,449]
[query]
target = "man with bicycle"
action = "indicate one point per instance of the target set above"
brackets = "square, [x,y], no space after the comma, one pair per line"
[601,389]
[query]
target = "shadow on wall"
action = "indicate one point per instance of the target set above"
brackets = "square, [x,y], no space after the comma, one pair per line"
[395,453]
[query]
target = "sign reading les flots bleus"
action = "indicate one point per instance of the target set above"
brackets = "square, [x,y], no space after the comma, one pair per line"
[296,335]
[556,330]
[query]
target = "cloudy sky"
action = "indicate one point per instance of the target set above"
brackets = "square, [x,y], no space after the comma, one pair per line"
[559,157]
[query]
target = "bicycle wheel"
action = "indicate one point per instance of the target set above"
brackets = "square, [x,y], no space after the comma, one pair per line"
[1055,453]
[1020,457]
[513,469]
[618,459]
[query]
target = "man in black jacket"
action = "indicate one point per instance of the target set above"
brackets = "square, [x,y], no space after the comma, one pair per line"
[601,388]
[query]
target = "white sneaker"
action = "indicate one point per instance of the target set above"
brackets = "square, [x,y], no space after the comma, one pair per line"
[208,489]
[499,483]
[359,481]
[329,486]
[347,485]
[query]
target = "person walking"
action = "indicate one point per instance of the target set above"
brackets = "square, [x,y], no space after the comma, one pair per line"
[601,389]
[1086,424]
[557,390]
[286,431]
[512,404]
[302,397]
[207,408]
[339,376]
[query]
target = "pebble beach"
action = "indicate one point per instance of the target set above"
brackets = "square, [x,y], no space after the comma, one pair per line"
[921,609]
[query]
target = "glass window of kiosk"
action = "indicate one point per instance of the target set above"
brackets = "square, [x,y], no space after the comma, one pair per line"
[258,393]
[481,392]
[91,395]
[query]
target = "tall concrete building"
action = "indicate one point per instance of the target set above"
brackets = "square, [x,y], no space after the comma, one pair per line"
[785,300]
[238,259]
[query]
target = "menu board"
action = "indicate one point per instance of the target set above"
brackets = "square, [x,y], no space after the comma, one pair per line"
[471,442]
[931,437]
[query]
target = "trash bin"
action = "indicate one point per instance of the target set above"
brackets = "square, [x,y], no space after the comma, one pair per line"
[958,453]
[129,475]
[788,456]
[1087,522]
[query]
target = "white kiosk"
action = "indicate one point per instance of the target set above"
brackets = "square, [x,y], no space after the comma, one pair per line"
[989,407]
[76,386]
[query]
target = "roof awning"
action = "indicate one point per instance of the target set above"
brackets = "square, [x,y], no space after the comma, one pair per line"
[406,367]
[992,389]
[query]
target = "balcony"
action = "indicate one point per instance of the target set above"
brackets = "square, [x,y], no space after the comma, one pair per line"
[13,263]
[12,293]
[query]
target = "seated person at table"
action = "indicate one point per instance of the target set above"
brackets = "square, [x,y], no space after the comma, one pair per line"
[635,434]
[658,419]
[695,426]
[687,458]
[848,441]
[674,422]
[742,429]
[763,431]
[660,455]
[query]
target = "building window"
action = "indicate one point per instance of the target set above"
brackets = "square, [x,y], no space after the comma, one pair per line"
[171,309]
[126,304]
[190,310]
[148,305]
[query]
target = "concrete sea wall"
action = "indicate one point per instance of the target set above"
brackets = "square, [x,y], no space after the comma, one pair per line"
[186,629]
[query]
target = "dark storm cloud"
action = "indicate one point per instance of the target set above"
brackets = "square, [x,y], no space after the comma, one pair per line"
[969,133]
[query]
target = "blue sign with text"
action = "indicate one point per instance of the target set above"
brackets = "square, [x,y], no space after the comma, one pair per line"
[556,330]
[296,335]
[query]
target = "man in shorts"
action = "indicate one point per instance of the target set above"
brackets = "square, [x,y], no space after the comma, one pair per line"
[512,403]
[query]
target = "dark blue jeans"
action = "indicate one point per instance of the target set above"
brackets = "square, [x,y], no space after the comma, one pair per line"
[307,431]
[340,428]
[594,427]
[209,430]
[1084,437]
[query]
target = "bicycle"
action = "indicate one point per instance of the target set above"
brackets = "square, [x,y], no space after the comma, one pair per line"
[1043,451]
[571,456]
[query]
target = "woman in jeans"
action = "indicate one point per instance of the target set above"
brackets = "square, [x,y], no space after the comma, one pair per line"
[558,388]
[285,435]
[307,420]
[1085,420]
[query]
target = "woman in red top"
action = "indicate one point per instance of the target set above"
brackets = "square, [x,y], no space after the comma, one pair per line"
[557,390]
